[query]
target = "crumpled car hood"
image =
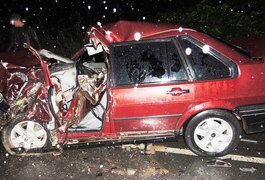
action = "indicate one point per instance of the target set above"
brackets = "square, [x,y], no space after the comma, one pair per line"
[21,58]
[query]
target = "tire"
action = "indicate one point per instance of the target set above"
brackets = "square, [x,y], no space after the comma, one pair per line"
[24,134]
[213,133]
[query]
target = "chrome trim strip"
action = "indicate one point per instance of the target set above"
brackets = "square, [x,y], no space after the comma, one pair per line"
[251,110]
[147,117]
[253,114]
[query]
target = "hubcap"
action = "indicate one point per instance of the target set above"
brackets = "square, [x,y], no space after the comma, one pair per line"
[28,134]
[213,135]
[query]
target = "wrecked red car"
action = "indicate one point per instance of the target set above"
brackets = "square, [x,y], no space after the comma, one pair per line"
[158,81]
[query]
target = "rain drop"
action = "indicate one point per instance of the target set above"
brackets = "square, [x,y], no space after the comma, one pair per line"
[188,51]
[137,36]
[180,29]
[206,49]
[89,7]
[114,10]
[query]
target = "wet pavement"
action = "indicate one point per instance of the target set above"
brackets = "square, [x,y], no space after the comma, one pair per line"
[128,162]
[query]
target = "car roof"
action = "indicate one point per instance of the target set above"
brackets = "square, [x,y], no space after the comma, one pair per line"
[122,31]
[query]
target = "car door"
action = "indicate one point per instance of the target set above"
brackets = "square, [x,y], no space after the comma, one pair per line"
[215,76]
[149,86]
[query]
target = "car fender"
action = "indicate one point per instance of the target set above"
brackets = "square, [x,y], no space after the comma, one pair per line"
[197,108]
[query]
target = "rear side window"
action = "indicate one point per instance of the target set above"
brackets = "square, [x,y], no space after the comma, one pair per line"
[145,62]
[205,61]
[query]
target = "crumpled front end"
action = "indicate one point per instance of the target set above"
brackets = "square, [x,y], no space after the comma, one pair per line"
[28,97]
[23,92]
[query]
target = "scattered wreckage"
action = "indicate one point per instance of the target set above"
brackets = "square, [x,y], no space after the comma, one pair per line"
[157,82]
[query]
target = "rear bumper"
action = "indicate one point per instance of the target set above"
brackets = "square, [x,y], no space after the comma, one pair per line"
[253,117]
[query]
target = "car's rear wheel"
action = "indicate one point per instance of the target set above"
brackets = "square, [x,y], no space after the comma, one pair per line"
[213,133]
[24,134]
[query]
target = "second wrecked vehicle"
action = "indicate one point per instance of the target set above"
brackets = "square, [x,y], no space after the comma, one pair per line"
[158,82]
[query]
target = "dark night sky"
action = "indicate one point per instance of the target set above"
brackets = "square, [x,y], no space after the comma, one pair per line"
[58,14]
[54,15]
[61,13]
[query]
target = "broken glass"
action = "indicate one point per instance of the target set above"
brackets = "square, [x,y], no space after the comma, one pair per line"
[140,63]
[206,66]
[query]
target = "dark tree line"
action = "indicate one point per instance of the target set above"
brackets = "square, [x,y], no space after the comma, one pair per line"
[223,19]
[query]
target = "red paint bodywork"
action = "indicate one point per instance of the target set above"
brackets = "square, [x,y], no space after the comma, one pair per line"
[160,111]
[22,72]
[152,100]
[149,110]
[254,45]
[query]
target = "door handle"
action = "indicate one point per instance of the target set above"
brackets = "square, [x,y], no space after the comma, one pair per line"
[178,91]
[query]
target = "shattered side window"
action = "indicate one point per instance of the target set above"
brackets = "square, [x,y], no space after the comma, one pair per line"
[205,64]
[176,69]
[139,63]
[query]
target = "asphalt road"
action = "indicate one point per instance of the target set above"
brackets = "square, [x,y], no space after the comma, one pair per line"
[119,162]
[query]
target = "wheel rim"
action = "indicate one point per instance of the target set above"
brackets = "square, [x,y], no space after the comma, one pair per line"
[28,134]
[213,135]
